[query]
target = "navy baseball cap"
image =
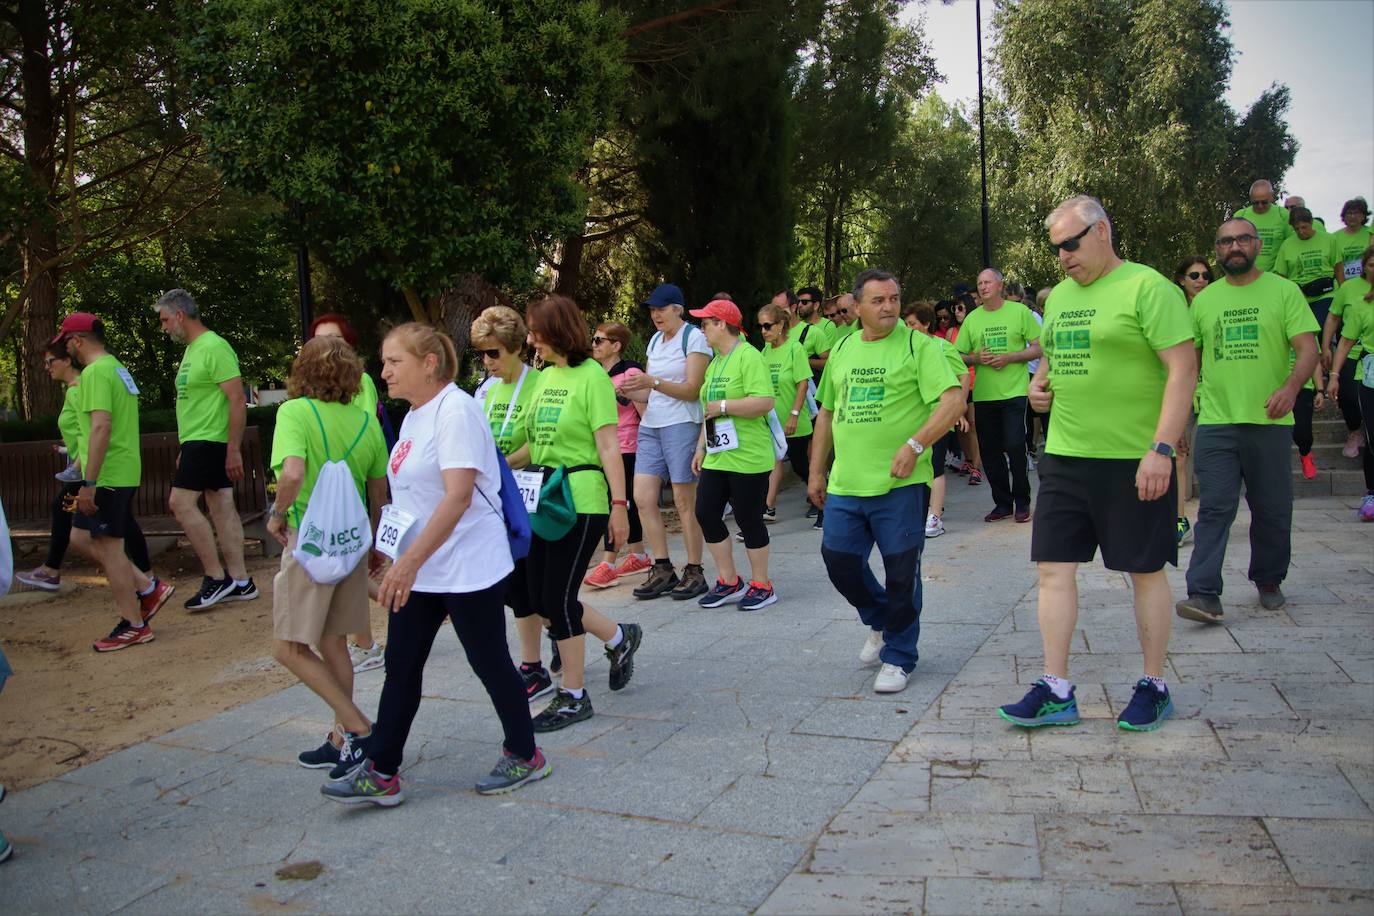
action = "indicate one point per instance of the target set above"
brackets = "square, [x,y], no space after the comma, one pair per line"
[664,294]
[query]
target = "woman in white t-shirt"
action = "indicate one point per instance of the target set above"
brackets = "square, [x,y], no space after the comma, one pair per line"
[451,561]
[676,360]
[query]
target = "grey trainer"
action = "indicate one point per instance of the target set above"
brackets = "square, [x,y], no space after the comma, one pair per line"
[1202,608]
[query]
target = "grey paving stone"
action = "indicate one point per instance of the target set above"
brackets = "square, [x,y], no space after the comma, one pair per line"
[784,808]
[186,895]
[1283,667]
[1017,786]
[1247,788]
[1280,639]
[1325,853]
[983,669]
[1091,668]
[895,788]
[819,758]
[1025,643]
[43,879]
[1182,639]
[963,739]
[634,901]
[1294,740]
[1213,699]
[1213,900]
[725,867]
[223,731]
[870,718]
[639,788]
[1102,739]
[465,888]
[1358,666]
[982,701]
[994,896]
[188,838]
[845,895]
[601,847]
[1361,776]
[145,771]
[1332,701]
[1116,847]
[922,845]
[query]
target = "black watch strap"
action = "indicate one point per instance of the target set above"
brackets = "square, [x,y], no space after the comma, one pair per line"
[1163,448]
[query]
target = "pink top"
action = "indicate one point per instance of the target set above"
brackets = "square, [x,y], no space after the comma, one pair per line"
[627,420]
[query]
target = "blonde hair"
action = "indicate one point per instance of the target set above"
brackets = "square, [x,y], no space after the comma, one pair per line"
[422,340]
[776,314]
[502,324]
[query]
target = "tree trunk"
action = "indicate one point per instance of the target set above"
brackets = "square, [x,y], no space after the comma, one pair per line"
[569,266]
[454,310]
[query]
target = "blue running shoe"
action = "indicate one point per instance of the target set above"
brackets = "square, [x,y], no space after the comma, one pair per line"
[1041,707]
[1148,709]
[724,593]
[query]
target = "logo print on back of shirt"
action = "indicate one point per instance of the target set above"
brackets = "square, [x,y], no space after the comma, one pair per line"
[398,456]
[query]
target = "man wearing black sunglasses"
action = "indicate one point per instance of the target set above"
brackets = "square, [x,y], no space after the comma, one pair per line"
[1270,222]
[1119,370]
[817,331]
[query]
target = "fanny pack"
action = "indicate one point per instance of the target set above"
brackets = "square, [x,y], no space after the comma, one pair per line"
[1318,287]
[556,513]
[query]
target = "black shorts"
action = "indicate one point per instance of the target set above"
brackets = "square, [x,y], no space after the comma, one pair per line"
[939,451]
[200,467]
[1085,503]
[114,510]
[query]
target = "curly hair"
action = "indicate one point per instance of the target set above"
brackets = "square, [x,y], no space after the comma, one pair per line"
[326,369]
[502,324]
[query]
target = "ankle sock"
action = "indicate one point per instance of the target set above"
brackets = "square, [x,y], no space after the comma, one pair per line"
[1060,686]
[618,638]
[152,586]
[1158,682]
[241,583]
[575,694]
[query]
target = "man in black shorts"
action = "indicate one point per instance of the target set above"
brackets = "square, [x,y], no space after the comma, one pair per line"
[211,413]
[1120,370]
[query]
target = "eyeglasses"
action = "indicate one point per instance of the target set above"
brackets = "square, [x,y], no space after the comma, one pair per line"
[48,361]
[768,325]
[1199,275]
[1070,243]
[489,354]
[1226,241]
[598,339]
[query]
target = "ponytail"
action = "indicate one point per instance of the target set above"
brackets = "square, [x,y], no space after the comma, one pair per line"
[423,340]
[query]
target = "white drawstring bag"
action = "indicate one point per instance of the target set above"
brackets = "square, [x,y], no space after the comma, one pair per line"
[335,533]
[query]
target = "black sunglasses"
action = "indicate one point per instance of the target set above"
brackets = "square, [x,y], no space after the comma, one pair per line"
[1070,243]
[489,354]
[1199,275]
[806,301]
[767,325]
[597,339]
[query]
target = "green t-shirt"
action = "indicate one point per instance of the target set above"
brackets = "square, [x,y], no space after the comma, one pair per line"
[507,418]
[1245,334]
[1273,228]
[1305,260]
[202,408]
[106,385]
[741,374]
[1007,330]
[568,406]
[786,366]
[1359,327]
[1101,341]
[951,352]
[819,336]
[366,398]
[1349,248]
[1351,295]
[881,392]
[298,434]
[69,421]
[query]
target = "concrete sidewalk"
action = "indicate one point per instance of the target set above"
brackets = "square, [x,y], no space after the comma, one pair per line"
[748,765]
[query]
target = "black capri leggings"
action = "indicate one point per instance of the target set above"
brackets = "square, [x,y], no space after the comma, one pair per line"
[799,456]
[554,571]
[1365,397]
[1302,420]
[636,530]
[135,544]
[746,494]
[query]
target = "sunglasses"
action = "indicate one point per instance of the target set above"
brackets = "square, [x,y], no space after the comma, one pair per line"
[806,302]
[490,354]
[768,325]
[1260,203]
[48,361]
[1071,243]
[1199,275]
[1226,241]
[598,339]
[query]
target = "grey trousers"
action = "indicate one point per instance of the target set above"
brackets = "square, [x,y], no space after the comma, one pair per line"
[1224,456]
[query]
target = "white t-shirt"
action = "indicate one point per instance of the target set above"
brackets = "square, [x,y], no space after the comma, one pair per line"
[450,432]
[667,361]
[1035,363]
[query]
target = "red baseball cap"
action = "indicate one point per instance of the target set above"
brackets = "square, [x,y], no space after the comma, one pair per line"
[723,309]
[74,323]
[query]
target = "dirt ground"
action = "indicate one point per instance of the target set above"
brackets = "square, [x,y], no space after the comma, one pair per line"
[67,705]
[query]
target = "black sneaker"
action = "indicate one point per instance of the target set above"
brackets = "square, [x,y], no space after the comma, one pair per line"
[819,523]
[537,681]
[693,583]
[324,757]
[555,660]
[622,657]
[770,514]
[811,509]
[212,591]
[564,710]
[351,753]
[662,579]
[242,592]
[1202,608]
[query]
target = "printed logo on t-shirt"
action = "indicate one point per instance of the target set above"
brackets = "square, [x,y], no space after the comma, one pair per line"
[1071,334]
[1235,335]
[398,455]
[861,395]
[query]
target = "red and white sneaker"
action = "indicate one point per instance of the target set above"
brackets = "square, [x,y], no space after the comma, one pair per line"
[123,636]
[634,563]
[1309,466]
[602,577]
[151,603]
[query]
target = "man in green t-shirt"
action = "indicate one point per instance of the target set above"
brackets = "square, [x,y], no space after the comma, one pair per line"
[211,414]
[1119,370]
[887,395]
[999,339]
[1246,331]
[1310,258]
[1269,219]
[813,330]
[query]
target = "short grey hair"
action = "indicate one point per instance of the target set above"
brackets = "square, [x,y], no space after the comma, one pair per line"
[872,275]
[178,300]
[993,270]
[1088,209]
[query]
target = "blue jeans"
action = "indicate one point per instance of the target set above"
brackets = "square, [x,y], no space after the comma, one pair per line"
[895,522]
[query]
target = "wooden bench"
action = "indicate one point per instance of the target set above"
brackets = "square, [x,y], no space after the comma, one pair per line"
[27,487]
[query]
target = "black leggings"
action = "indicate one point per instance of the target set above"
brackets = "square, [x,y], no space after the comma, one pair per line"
[1302,420]
[1348,396]
[135,544]
[746,494]
[799,456]
[636,530]
[481,627]
[1366,399]
[555,570]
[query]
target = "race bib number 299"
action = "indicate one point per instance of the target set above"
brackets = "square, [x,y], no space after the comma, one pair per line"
[392,530]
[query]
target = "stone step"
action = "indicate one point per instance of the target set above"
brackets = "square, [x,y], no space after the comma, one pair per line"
[1342,482]
[1328,457]
[1329,428]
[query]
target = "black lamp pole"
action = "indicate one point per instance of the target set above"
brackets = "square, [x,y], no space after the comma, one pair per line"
[303,272]
[982,139]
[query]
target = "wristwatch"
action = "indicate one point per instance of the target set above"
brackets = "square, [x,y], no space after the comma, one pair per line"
[657,382]
[1163,448]
[916,447]
[796,413]
[87,483]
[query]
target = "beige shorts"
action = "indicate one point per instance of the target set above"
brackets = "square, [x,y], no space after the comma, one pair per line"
[303,610]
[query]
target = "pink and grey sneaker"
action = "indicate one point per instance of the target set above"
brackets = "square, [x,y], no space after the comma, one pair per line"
[1367,508]
[36,578]
[602,577]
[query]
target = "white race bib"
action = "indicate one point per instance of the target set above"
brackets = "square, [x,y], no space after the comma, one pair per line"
[1352,269]
[392,529]
[128,380]
[530,483]
[725,438]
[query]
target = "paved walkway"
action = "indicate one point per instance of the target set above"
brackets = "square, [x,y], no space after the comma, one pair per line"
[749,766]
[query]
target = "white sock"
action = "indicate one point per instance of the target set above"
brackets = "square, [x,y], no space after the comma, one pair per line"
[152,584]
[241,583]
[1158,682]
[1060,686]
[618,638]
[575,694]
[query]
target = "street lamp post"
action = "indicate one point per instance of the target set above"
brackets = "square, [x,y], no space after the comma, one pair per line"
[303,272]
[982,138]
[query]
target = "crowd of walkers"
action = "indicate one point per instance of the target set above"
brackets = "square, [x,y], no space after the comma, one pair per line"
[874,404]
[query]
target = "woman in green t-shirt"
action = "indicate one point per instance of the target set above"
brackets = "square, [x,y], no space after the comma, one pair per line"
[790,372]
[1191,275]
[1352,238]
[1357,333]
[734,458]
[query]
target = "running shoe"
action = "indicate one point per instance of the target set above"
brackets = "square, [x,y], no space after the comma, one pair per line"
[36,578]
[633,563]
[739,537]
[1030,462]
[996,515]
[1185,529]
[622,657]
[760,595]
[811,509]
[353,750]
[1352,444]
[1367,508]
[873,645]
[246,592]
[1149,707]
[123,636]
[693,583]
[770,514]
[1202,608]
[511,773]
[934,527]
[366,659]
[1309,466]
[364,785]
[952,463]
[1023,515]
[975,477]
[1270,596]
[966,468]
[819,523]
[603,576]
[70,474]
[1041,707]
[538,683]
[212,591]
[724,593]
[564,710]
[151,603]
[890,679]
[324,757]
[662,580]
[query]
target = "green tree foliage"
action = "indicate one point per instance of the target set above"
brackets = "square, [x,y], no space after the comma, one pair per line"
[1261,147]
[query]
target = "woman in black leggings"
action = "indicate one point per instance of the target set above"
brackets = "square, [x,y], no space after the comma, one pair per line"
[790,374]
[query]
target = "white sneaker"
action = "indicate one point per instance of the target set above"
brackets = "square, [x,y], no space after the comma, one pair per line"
[868,655]
[366,659]
[890,679]
[1352,444]
[934,527]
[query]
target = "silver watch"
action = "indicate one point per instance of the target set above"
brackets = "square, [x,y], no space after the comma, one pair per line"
[916,446]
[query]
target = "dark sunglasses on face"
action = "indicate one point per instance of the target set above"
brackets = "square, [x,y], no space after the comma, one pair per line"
[490,354]
[1199,275]
[48,361]
[767,325]
[598,339]
[1071,243]
[806,302]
